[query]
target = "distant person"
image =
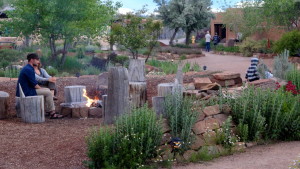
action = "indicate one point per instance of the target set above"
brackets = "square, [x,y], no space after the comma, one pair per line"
[216,40]
[45,80]
[252,73]
[30,86]
[207,41]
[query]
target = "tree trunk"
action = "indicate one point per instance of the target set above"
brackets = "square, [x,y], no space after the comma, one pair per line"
[137,94]
[64,52]
[4,99]
[74,94]
[187,37]
[32,109]
[158,105]
[27,41]
[136,70]
[173,36]
[117,95]
[52,48]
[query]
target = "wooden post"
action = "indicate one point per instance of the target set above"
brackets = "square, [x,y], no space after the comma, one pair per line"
[179,74]
[136,70]
[158,104]
[4,98]
[137,93]
[118,94]
[165,89]
[74,94]
[104,105]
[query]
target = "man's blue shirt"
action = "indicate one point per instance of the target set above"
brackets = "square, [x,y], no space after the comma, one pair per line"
[27,81]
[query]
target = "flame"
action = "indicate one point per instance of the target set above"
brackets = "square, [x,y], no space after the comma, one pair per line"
[89,100]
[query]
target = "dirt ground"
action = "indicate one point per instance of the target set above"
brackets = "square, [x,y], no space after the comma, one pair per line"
[60,144]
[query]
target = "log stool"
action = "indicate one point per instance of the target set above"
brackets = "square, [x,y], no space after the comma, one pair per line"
[4,97]
[31,108]
[74,94]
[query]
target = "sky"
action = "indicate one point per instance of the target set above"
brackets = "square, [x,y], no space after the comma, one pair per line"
[130,5]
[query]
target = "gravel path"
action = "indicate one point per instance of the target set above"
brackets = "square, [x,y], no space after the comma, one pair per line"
[227,62]
[273,156]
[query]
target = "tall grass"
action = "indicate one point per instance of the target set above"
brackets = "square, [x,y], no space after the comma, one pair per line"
[267,114]
[171,67]
[182,115]
[294,76]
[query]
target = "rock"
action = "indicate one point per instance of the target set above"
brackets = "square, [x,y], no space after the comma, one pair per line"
[210,138]
[226,75]
[165,126]
[221,118]
[81,112]
[189,86]
[201,81]
[66,111]
[166,138]
[95,112]
[251,144]
[194,93]
[198,142]
[211,110]
[102,81]
[201,116]
[166,152]
[264,84]
[188,154]
[238,81]
[211,123]
[199,127]
[223,83]
[212,86]
[226,109]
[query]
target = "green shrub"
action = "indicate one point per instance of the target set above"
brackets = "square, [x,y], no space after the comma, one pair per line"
[182,57]
[250,46]
[268,114]
[121,59]
[182,45]
[196,67]
[289,41]
[9,55]
[51,71]
[224,135]
[262,68]
[186,67]
[234,49]
[10,72]
[203,155]
[64,74]
[80,53]
[294,76]
[90,49]
[72,65]
[90,70]
[133,140]
[282,65]
[182,115]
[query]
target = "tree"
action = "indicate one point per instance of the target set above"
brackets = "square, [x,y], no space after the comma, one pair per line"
[135,32]
[189,15]
[60,19]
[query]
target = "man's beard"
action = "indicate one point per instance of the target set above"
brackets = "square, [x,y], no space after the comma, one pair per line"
[34,64]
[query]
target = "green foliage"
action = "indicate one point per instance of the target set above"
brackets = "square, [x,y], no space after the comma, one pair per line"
[180,51]
[129,144]
[182,45]
[64,74]
[72,65]
[51,71]
[222,48]
[262,68]
[203,155]
[181,114]
[186,67]
[282,65]
[289,41]
[90,70]
[242,131]
[182,57]
[267,114]
[9,55]
[294,76]
[134,33]
[250,46]
[224,136]
[171,67]
[10,72]
[90,49]
[80,53]
[196,67]
[121,59]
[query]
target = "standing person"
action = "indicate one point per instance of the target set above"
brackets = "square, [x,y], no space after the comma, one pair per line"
[45,80]
[216,40]
[252,73]
[207,41]
[31,88]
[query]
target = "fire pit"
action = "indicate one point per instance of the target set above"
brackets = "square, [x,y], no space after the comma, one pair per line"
[79,105]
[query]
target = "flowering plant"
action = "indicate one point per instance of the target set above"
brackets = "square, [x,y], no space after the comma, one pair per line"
[289,87]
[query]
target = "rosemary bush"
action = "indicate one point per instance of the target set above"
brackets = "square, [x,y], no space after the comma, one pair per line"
[267,114]
[181,115]
[134,139]
[282,65]
[262,68]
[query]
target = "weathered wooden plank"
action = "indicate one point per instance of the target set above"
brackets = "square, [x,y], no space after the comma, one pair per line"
[137,93]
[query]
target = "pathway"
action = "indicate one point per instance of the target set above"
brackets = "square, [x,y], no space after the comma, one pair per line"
[227,62]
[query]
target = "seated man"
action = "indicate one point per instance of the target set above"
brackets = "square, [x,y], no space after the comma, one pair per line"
[31,88]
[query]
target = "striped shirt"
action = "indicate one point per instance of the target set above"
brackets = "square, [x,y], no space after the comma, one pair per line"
[252,73]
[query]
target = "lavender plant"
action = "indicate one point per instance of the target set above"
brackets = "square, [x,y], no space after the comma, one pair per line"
[282,65]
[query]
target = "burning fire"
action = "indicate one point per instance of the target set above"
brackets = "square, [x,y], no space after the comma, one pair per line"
[89,100]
